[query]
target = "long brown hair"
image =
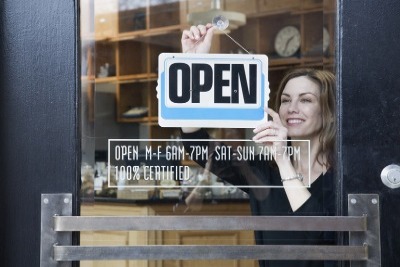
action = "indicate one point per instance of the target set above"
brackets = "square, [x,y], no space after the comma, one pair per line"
[326,81]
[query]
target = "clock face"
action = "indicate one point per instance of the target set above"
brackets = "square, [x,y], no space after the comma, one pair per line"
[287,41]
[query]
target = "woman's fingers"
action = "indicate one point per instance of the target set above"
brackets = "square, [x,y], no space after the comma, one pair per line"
[193,34]
[208,31]
[187,34]
[265,125]
[202,29]
[197,39]
[270,131]
[269,123]
[275,116]
[270,134]
[196,32]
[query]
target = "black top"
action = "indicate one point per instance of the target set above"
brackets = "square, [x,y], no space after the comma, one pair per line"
[273,201]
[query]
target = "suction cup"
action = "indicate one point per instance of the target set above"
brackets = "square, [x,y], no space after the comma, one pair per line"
[220,22]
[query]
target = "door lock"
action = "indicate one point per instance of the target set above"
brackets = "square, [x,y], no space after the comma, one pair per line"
[390,176]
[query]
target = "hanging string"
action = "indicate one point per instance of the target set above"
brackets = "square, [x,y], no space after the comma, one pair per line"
[237,43]
[222,23]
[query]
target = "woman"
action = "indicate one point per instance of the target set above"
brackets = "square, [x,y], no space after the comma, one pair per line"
[305,104]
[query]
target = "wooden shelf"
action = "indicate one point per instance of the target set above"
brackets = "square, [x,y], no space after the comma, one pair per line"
[284,61]
[106,80]
[153,121]
[137,77]
[143,34]
[133,120]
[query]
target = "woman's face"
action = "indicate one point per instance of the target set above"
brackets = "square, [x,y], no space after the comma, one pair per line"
[300,109]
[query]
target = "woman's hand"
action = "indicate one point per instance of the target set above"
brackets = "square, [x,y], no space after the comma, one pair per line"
[273,134]
[197,39]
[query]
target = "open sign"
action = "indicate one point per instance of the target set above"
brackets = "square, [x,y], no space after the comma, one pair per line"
[212,90]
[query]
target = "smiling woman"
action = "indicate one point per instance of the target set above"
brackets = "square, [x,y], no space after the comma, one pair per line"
[300,111]
[309,94]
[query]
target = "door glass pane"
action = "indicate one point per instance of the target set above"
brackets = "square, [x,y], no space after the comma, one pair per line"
[131,166]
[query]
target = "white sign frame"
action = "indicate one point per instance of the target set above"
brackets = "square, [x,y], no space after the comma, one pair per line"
[206,113]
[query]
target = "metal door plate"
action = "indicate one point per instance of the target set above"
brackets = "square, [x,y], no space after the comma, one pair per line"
[368,205]
[51,205]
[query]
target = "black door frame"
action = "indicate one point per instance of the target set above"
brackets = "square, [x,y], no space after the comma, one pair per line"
[40,129]
[369,108]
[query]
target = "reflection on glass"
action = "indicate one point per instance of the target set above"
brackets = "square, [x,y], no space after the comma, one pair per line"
[121,41]
[87,101]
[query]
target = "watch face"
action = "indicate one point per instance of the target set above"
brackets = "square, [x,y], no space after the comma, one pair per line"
[287,41]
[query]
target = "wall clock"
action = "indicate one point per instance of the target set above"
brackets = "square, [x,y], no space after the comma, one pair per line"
[287,41]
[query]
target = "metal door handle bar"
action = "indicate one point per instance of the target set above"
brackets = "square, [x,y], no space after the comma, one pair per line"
[205,252]
[57,226]
[258,223]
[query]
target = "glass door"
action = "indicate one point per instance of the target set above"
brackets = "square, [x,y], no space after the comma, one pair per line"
[133,166]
